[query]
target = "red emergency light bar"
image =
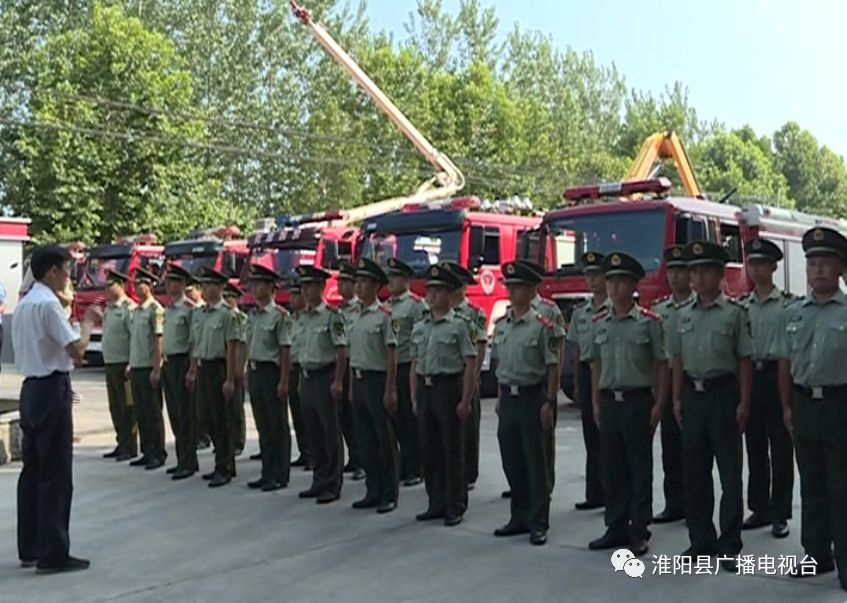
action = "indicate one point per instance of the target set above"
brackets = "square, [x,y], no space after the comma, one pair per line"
[657,186]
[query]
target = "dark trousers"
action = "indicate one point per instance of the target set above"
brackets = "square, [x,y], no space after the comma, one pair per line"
[239,420]
[348,423]
[180,405]
[523,451]
[148,410]
[375,436]
[442,444]
[407,427]
[590,437]
[121,408]
[627,463]
[201,421]
[819,428]
[321,418]
[672,461]
[550,449]
[45,485]
[211,375]
[294,404]
[770,452]
[272,422]
[472,438]
[710,431]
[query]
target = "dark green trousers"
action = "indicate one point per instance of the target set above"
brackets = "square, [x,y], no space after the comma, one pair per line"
[121,408]
[239,420]
[442,443]
[271,415]
[180,410]
[770,452]
[321,418]
[211,375]
[821,446]
[710,432]
[523,450]
[407,427]
[671,436]
[590,437]
[628,462]
[550,449]
[297,413]
[348,423]
[375,436]
[472,439]
[148,408]
[201,420]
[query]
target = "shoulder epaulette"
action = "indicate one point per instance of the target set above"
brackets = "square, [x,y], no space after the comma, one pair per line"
[548,302]
[282,311]
[601,310]
[544,320]
[386,309]
[415,297]
[600,315]
[473,307]
[661,300]
[650,314]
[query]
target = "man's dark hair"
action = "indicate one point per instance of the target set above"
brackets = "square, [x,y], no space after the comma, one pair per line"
[45,257]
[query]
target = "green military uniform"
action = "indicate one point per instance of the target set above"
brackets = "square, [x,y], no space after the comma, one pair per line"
[294,403]
[323,331]
[350,311]
[239,420]
[370,337]
[477,324]
[525,347]
[628,348]
[440,349]
[710,340]
[814,340]
[116,342]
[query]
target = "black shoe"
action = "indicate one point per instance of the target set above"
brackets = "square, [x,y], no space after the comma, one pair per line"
[693,552]
[506,494]
[350,467]
[358,474]
[452,520]
[125,456]
[729,564]
[587,505]
[114,453]
[471,486]
[512,528]
[386,507]
[202,444]
[208,476]
[255,485]
[172,470]
[326,498]
[240,451]
[308,466]
[430,514]
[255,457]
[779,529]
[608,541]
[140,462]
[155,464]
[368,502]
[668,516]
[755,521]
[310,493]
[822,568]
[182,474]
[271,485]
[538,537]
[29,562]
[71,564]
[219,480]
[301,461]
[638,547]
[412,481]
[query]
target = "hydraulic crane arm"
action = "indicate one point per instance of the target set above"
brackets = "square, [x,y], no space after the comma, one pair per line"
[665,145]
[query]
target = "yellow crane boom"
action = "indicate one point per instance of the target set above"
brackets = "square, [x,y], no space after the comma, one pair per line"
[665,145]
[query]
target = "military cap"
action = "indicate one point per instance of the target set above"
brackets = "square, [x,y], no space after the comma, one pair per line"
[533,266]
[263,273]
[439,276]
[824,241]
[674,257]
[762,249]
[699,253]
[399,268]
[346,271]
[178,273]
[143,276]
[517,273]
[464,276]
[370,269]
[311,274]
[113,276]
[212,276]
[591,261]
[231,290]
[621,263]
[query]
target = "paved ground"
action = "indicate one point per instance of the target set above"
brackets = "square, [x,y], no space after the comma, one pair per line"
[151,539]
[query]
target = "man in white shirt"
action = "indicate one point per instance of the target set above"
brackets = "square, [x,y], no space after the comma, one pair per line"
[46,348]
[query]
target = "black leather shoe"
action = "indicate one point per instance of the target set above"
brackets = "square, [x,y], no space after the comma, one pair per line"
[821,568]
[452,520]
[471,486]
[202,444]
[219,480]
[71,564]
[386,507]
[587,505]
[299,462]
[238,451]
[310,493]
[326,498]
[538,537]
[125,456]
[506,494]
[172,470]
[512,528]
[255,457]
[29,562]
[208,476]
[113,454]
[308,466]
[638,547]
[182,474]
[730,564]
[779,529]
[140,462]
[155,464]
[271,485]
[367,502]
[608,541]
[256,484]
[695,552]
[430,514]
[755,521]
[358,474]
[668,516]
[412,481]
[350,467]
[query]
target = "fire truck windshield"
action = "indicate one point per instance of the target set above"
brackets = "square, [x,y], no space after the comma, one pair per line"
[193,263]
[638,233]
[284,260]
[420,250]
[97,267]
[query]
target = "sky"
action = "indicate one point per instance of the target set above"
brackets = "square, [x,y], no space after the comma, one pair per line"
[753,62]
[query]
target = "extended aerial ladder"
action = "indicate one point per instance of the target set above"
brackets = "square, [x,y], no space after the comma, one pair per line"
[659,146]
[448,179]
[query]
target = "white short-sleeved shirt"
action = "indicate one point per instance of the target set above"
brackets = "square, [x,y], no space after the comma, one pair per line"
[40,333]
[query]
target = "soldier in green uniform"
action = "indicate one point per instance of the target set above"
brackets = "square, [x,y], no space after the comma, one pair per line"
[766,305]
[350,308]
[117,322]
[813,387]
[323,361]
[443,380]
[712,375]
[297,305]
[629,362]
[527,353]
[145,365]
[372,342]
[580,334]
[679,281]
[232,296]
[406,309]
[214,365]
[478,324]
[269,344]
[194,294]
[176,344]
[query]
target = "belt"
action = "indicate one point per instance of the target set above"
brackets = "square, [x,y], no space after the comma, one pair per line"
[627,395]
[257,364]
[706,385]
[50,376]
[430,380]
[823,391]
[521,390]
[362,373]
[317,371]
[765,365]
[175,356]
[205,361]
